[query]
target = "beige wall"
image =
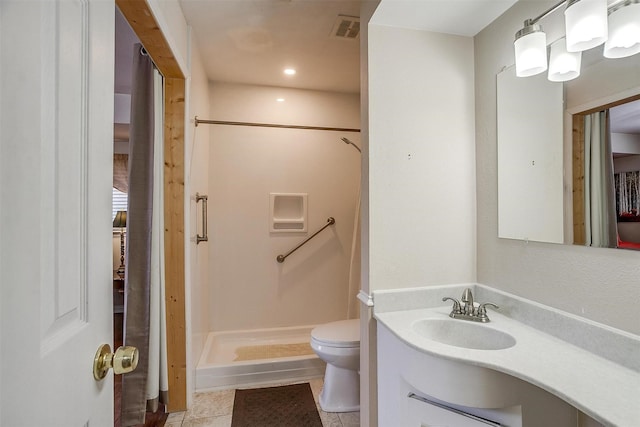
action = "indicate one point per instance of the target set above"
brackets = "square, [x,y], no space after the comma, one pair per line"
[248,288]
[422,207]
[589,282]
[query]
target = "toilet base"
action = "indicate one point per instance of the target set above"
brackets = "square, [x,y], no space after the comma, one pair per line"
[341,390]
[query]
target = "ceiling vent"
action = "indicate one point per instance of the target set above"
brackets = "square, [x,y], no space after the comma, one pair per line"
[346,27]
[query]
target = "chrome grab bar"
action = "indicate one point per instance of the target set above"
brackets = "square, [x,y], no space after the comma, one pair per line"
[281,258]
[204,237]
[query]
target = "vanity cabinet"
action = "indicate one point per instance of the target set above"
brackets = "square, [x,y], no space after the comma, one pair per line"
[531,365]
[464,395]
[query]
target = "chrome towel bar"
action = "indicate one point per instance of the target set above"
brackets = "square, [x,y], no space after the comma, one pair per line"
[477,418]
[204,237]
[281,258]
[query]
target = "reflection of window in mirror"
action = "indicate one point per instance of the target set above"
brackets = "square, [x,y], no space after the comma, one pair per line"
[606,161]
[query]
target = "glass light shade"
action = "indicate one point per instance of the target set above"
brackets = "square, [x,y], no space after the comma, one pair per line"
[624,32]
[563,65]
[531,54]
[120,221]
[586,23]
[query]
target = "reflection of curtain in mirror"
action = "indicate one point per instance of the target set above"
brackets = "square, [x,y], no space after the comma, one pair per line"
[599,192]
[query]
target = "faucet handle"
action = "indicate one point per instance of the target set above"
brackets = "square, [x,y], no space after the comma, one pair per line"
[457,308]
[482,311]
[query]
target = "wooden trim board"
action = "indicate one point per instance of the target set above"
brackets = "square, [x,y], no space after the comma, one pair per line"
[174,106]
[139,15]
[578,180]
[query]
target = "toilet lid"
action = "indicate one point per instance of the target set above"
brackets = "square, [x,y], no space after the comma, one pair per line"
[343,333]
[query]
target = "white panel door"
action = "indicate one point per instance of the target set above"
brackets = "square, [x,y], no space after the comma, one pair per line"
[56,115]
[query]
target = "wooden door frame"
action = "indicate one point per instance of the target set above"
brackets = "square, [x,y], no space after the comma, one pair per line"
[139,15]
[577,120]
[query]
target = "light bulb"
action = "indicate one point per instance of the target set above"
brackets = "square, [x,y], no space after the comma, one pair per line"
[624,31]
[530,50]
[586,24]
[563,65]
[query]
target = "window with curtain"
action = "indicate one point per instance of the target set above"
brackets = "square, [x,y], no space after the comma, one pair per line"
[119,202]
[120,183]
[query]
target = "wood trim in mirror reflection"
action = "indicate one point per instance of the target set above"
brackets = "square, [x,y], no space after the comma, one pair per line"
[609,105]
[578,180]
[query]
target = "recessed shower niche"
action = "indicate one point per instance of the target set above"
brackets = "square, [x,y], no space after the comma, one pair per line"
[288,212]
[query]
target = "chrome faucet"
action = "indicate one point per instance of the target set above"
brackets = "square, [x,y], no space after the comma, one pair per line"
[467,299]
[465,309]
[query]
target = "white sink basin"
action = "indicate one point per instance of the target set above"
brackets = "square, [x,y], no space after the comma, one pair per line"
[463,333]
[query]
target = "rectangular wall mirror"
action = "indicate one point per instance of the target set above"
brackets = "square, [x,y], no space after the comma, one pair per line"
[537,123]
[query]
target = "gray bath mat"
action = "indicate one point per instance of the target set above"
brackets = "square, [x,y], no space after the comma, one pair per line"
[286,406]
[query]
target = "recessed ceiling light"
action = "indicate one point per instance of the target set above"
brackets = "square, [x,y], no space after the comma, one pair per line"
[289,71]
[280,99]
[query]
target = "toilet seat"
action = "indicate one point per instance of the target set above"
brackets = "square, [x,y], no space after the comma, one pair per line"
[341,334]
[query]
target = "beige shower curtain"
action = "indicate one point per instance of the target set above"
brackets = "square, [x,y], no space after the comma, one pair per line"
[146,387]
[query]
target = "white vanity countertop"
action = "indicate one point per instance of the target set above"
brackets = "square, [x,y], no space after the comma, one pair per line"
[606,390]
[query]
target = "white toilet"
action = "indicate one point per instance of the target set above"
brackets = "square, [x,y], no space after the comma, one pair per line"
[338,344]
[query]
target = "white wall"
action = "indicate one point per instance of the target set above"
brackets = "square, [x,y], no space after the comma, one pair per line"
[625,143]
[248,288]
[197,171]
[419,175]
[626,164]
[170,19]
[589,282]
[368,332]
[422,206]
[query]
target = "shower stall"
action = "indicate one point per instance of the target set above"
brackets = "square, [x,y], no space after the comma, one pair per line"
[275,175]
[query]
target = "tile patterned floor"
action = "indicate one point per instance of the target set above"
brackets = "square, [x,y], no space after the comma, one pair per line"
[213,409]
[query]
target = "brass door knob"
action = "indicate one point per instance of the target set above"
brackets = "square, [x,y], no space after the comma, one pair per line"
[124,360]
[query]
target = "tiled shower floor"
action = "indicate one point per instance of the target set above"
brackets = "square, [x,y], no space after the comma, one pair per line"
[213,409]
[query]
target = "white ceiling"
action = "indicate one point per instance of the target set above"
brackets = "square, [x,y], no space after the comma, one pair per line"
[625,118]
[252,41]
[460,17]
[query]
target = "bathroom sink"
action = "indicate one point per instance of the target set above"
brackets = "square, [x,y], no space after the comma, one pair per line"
[464,334]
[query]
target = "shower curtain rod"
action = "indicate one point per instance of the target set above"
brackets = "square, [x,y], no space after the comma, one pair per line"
[271,125]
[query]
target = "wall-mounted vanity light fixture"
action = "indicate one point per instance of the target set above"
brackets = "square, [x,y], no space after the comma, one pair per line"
[588,23]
